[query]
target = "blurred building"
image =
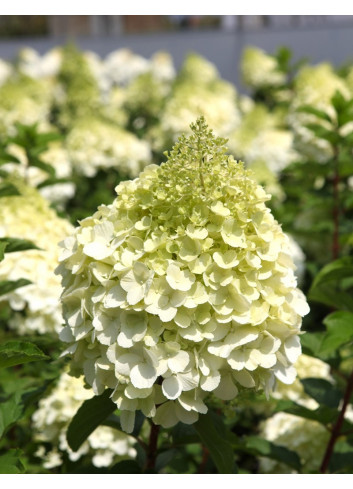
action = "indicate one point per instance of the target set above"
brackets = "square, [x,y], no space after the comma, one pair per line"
[112,25]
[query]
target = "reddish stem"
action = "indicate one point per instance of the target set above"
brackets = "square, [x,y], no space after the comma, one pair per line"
[205,456]
[336,430]
[152,447]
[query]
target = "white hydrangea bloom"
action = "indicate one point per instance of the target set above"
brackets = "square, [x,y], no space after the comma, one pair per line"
[99,71]
[93,144]
[261,137]
[217,103]
[122,66]
[181,287]
[29,216]
[306,437]
[56,156]
[32,64]
[306,367]
[5,71]
[314,86]
[26,101]
[260,70]
[53,416]
[162,66]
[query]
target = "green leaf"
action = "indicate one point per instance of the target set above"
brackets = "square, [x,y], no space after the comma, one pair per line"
[11,411]
[264,448]
[339,326]
[332,296]
[338,101]
[7,190]
[220,449]
[19,352]
[165,458]
[341,459]
[7,286]
[7,158]
[53,181]
[336,270]
[17,244]
[11,462]
[308,109]
[2,250]
[47,137]
[311,342]
[35,161]
[323,133]
[90,415]
[322,414]
[322,391]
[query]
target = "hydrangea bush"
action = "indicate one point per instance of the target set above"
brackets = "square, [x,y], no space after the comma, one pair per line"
[182,287]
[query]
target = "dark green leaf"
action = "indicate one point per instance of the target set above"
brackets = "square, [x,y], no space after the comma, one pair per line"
[264,448]
[16,244]
[165,458]
[19,352]
[139,420]
[7,190]
[11,462]
[332,296]
[184,434]
[323,133]
[126,467]
[322,391]
[7,286]
[7,158]
[10,411]
[88,417]
[53,181]
[338,101]
[220,449]
[342,457]
[339,326]
[34,161]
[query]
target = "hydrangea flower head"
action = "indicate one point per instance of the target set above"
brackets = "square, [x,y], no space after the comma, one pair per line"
[182,287]
[260,70]
[28,216]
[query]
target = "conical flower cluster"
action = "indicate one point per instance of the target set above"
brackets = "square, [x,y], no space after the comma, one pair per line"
[182,287]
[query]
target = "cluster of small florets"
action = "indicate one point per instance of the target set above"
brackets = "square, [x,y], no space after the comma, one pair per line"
[52,418]
[28,216]
[93,144]
[260,70]
[181,287]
